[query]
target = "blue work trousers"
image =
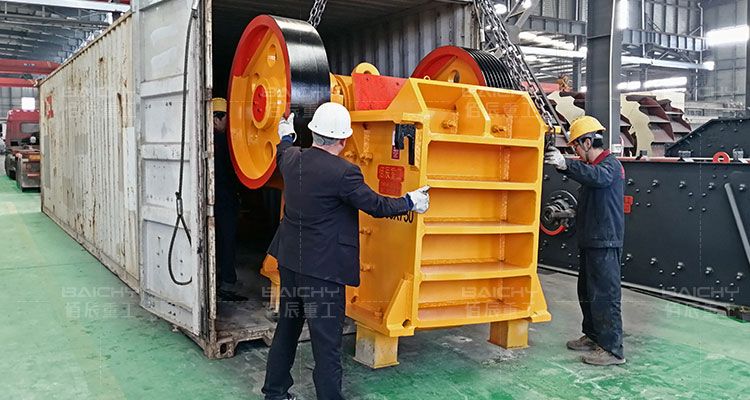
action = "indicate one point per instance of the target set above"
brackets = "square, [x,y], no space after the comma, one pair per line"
[600,294]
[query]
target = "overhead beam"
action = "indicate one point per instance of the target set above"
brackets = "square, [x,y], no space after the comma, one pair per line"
[36,46]
[79,4]
[624,60]
[17,82]
[49,38]
[46,21]
[27,66]
[554,25]
[31,42]
[526,13]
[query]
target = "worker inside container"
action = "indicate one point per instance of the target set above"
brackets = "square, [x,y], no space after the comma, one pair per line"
[601,222]
[226,208]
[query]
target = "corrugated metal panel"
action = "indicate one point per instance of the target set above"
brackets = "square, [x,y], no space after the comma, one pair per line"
[177,292]
[727,81]
[567,9]
[396,45]
[88,150]
[338,13]
[549,8]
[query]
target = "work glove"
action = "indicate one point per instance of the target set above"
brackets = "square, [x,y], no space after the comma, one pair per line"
[420,199]
[554,157]
[286,127]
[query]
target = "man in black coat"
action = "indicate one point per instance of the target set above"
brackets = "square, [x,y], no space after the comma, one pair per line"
[600,220]
[226,208]
[317,246]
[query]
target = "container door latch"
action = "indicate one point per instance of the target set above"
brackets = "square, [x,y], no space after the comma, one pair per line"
[409,132]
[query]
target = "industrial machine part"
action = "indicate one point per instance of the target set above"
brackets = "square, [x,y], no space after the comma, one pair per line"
[23,156]
[280,66]
[26,167]
[559,214]
[685,227]
[507,51]
[651,118]
[20,127]
[469,66]
[472,257]
[722,135]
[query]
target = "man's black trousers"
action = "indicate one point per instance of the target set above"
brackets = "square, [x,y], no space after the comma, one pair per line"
[322,303]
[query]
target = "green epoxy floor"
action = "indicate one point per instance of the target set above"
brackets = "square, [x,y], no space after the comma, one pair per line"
[69,329]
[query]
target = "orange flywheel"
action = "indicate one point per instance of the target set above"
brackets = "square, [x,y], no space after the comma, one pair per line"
[280,66]
[462,65]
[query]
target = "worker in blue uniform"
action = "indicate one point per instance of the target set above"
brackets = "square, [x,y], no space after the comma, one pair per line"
[317,246]
[601,225]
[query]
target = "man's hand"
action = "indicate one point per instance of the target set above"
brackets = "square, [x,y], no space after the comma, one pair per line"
[421,199]
[554,157]
[286,127]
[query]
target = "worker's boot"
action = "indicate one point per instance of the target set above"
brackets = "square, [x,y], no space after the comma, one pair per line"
[582,344]
[602,357]
[231,291]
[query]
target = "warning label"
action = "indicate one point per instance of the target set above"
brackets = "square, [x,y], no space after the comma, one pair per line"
[390,178]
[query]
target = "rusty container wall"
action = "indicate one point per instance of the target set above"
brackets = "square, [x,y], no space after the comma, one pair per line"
[89,174]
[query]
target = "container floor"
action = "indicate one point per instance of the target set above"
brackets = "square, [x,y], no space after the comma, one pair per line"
[70,329]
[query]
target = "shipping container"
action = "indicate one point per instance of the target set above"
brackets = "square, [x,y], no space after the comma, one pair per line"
[88,146]
[112,143]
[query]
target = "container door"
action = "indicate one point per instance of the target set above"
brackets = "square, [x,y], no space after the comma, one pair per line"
[174,293]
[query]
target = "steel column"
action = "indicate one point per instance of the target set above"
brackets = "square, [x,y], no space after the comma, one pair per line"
[576,75]
[604,42]
[747,62]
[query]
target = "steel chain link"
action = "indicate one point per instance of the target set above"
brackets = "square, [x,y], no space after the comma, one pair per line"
[513,58]
[317,12]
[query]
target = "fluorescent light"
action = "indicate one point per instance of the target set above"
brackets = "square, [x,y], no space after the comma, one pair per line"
[622,14]
[28,103]
[526,4]
[710,65]
[666,82]
[629,86]
[544,51]
[501,9]
[731,35]
[670,90]
[545,40]
[530,58]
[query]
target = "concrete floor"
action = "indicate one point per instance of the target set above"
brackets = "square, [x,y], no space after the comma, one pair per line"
[71,330]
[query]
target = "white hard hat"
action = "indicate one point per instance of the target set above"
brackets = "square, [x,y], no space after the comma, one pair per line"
[331,120]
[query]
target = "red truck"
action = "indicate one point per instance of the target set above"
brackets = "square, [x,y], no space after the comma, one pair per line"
[23,157]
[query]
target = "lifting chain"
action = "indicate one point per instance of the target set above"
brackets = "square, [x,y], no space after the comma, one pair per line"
[317,12]
[517,66]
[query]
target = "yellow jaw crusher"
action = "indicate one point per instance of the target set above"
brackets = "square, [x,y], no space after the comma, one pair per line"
[456,125]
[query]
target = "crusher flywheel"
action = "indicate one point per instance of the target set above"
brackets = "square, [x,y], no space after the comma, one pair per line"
[469,66]
[280,66]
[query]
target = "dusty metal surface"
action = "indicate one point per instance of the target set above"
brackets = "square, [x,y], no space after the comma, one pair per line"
[175,293]
[88,150]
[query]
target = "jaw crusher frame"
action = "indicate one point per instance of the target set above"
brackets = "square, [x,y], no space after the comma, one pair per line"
[472,257]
